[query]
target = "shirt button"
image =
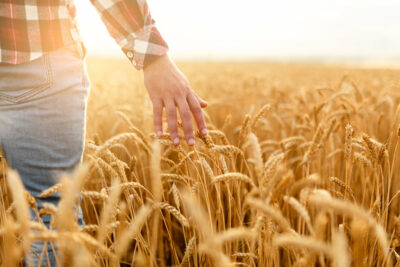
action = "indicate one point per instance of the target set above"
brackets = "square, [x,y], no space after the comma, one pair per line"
[134,63]
[130,54]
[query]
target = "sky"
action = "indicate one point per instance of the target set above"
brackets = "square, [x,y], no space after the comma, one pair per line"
[264,29]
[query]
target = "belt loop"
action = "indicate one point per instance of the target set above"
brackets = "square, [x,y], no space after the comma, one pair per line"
[83,49]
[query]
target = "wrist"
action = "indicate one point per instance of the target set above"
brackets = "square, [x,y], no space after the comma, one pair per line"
[159,61]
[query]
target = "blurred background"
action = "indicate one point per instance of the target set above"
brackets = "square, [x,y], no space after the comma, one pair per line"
[360,31]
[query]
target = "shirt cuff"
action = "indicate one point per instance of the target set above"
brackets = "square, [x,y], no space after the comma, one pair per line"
[148,45]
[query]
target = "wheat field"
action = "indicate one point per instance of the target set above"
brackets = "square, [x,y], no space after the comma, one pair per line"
[300,167]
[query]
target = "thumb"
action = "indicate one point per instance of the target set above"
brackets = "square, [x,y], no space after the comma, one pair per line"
[202,103]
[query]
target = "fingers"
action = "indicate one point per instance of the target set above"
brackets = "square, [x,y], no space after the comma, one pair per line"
[194,106]
[157,116]
[172,121]
[186,117]
[186,106]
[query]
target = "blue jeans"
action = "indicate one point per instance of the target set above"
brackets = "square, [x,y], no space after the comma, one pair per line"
[42,123]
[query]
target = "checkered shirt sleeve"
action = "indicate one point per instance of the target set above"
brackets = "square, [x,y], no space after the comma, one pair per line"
[130,23]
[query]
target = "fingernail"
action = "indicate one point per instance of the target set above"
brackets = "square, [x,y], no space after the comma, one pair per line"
[204,131]
[159,133]
[191,142]
[176,141]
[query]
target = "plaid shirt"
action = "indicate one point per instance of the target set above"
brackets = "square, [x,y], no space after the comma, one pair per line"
[29,28]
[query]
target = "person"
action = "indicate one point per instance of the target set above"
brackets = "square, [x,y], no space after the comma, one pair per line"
[44,86]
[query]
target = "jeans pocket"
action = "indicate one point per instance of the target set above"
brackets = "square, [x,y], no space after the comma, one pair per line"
[76,49]
[20,82]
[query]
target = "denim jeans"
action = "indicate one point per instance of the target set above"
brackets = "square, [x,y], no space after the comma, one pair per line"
[42,123]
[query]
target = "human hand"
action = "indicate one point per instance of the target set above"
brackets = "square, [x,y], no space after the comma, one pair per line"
[169,88]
